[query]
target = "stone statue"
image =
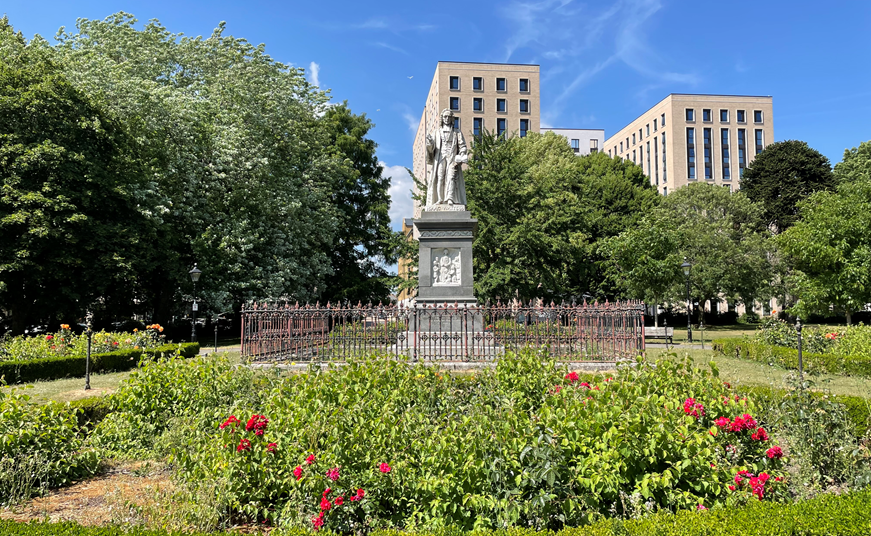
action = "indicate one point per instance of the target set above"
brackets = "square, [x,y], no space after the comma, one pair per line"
[445,152]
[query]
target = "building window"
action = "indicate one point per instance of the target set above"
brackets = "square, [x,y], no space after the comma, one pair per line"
[741,116]
[455,82]
[759,144]
[648,159]
[724,140]
[524,85]
[662,119]
[627,146]
[665,190]
[691,114]
[691,153]
[478,83]
[633,158]
[742,152]
[594,146]
[709,171]
[576,146]
[641,157]
[500,127]
[654,125]
[664,174]
[457,123]
[706,115]
[648,129]
[633,139]
[501,105]
[609,152]
[524,106]
[724,116]
[656,159]
[477,126]
[757,116]
[478,104]
[640,137]
[621,146]
[524,126]
[455,104]
[500,84]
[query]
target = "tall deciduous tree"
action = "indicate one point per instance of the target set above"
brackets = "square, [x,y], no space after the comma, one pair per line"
[541,212]
[830,246]
[782,175]
[241,178]
[70,228]
[364,243]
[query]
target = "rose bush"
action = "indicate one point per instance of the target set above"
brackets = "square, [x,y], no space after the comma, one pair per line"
[525,444]
[66,343]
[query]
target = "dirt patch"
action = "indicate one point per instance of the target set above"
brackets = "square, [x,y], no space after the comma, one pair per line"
[105,499]
[78,394]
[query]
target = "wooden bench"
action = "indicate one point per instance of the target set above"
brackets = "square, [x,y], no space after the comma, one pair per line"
[664,332]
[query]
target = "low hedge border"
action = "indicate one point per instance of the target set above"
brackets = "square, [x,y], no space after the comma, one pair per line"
[53,368]
[838,515]
[788,357]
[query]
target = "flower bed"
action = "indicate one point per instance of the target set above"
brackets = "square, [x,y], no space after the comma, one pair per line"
[828,363]
[526,444]
[65,343]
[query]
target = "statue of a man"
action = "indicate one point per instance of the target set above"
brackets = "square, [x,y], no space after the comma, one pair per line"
[446,152]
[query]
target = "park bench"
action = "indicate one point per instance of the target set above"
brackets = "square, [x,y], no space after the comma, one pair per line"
[664,332]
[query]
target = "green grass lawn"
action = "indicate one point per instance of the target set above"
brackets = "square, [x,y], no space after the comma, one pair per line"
[739,371]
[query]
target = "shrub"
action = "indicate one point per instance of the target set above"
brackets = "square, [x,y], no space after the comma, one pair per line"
[52,368]
[65,343]
[788,357]
[40,447]
[522,445]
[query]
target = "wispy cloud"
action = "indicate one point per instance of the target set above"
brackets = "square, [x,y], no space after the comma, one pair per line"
[391,47]
[587,39]
[401,205]
[314,71]
[411,121]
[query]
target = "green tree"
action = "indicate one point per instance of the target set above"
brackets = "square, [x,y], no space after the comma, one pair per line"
[70,227]
[364,243]
[719,232]
[241,170]
[782,175]
[541,212]
[830,246]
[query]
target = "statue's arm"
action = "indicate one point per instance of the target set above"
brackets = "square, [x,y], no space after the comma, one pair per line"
[430,149]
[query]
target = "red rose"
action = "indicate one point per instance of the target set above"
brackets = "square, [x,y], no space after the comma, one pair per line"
[333,474]
[723,422]
[231,420]
[339,500]
[326,504]
[572,377]
[360,493]
[297,472]
[384,468]
[760,435]
[244,444]
[48,337]
[271,447]
[318,521]
[774,452]
[311,459]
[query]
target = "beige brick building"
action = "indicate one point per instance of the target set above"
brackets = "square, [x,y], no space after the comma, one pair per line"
[498,97]
[696,138]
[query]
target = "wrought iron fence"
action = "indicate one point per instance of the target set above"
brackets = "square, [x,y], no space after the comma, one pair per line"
[584,332]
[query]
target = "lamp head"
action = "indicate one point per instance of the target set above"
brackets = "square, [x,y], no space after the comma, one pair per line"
[686,267]
[195,273]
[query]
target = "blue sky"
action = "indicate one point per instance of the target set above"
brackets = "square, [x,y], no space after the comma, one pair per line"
[602,63]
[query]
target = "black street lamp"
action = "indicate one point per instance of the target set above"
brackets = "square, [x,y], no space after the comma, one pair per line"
[195,276]
[687,267]
[89,319]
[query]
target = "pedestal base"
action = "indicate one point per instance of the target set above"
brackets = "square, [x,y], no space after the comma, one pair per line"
[445,267]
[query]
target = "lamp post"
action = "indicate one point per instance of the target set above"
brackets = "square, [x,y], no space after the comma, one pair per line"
[89,320]
[195,276]
[687,267]
[800,367]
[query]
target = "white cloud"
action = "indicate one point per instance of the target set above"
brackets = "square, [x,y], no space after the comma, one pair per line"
[411,121]
[401,205]
[314,71]
[391,47]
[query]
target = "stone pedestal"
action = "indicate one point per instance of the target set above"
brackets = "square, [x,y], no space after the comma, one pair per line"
[445,269]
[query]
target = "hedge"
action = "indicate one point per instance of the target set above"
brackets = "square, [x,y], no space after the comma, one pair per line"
[53,368]
[839,515]
[788,357]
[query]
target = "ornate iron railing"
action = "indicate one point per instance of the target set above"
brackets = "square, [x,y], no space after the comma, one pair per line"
[577,332]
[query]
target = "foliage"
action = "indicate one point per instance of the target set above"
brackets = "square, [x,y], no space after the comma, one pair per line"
[828,363]
[830,247]
[720,233]
[541,213]
[783,174]
[70,230]
[522,445]
[167,392]
[66,343]
[52,368]
[816,339]
[40,447]
[364,243]
[832,515]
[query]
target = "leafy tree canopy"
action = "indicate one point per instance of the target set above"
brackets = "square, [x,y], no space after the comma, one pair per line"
[541,212]
[830,246]
[70,228]
[782,175]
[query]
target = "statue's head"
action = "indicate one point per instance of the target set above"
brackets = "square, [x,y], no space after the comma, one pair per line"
[447,117]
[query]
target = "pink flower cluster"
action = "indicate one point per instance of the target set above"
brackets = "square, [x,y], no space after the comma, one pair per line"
[384,468]
[693,408]
[775,453]
[257,424]
[755,483]
[333,474]
[327,505]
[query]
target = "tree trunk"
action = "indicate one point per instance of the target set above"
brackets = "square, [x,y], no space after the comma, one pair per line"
[656,312]
[849,315]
